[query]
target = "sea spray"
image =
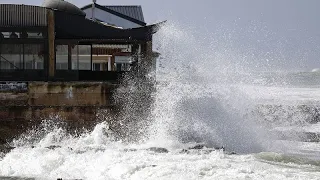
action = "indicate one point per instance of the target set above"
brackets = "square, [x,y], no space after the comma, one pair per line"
[134,98]
[197,98]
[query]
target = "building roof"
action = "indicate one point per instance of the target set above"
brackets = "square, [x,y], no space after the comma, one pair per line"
[15,15]
[130,13]
[70,26]
[64,6]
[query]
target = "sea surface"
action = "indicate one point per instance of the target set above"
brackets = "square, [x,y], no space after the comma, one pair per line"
[212,118]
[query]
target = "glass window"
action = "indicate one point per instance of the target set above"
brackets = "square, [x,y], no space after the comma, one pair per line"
[104,66]
[84,57]
[39,65]
[119,67]
[62,57]
[84,66]
[123,67]
[75,66]
[62,66]
[96,66]
[81,57]
[11,56]
[28,65]
[75,57]
[33,56]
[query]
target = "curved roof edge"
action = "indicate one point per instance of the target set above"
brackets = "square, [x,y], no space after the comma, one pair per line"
[153,28]
[64,6]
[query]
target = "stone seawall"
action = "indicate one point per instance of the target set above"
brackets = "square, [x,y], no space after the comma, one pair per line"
[76,102]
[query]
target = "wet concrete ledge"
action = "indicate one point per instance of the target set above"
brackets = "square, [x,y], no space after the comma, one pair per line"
[24,106]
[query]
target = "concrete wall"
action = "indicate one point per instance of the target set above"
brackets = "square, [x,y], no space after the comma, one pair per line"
[76,102]
[69,94]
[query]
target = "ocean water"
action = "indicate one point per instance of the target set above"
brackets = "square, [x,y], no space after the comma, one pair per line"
[215,116]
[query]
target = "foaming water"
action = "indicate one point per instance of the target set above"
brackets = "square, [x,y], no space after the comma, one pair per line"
[205,95]
[96,155]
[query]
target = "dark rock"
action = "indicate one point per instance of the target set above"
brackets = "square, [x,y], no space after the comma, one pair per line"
[5,148]
[184,151]
[230,153]
[158,150]
[129,150]
[80,151]
[198,146]
[86,149]
[53,147]
[3,141]
[219,148]
[99,149]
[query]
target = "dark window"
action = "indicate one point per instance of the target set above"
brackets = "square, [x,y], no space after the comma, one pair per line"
[81,57]
[33,56]
[63,66]
[28,65]
[105,66]
[75,58]
[84,66]
[119,67]
[39,65]
[96,66]
[11,56]
[62,57]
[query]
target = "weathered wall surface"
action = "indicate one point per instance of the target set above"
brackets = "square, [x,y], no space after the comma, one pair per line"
[70,94]
[76,102]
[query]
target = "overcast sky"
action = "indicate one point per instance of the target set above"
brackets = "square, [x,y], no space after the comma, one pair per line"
[287,27]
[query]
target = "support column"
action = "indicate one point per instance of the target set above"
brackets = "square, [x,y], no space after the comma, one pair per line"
[135,56]
[146,51]
[112,63]
[151,56]
[51,44]
[109,64]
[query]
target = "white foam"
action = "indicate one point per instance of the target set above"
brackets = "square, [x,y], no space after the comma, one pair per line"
[141,164]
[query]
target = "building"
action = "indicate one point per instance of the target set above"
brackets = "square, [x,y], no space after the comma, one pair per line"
[56,59]
[56,42]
